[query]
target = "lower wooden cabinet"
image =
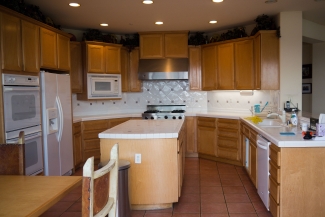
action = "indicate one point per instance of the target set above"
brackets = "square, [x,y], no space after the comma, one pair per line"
[206,136]
[77,145]
[253,162]
[181,157]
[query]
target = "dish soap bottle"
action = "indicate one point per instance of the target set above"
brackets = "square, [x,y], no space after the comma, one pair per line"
[294,119]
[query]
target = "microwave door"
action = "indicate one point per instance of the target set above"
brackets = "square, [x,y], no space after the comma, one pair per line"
[102,87]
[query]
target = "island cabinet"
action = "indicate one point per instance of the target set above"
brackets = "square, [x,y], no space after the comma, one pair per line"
[194,55]
[158,45]
[191,137]
[19,44]
[249,151]
[102,57]
[129,70]
[296,181]
[181,148]
[55,50]
[77,145]
[76,67]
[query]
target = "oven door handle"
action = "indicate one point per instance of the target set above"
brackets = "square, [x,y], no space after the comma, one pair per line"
[27,137]
[10,89]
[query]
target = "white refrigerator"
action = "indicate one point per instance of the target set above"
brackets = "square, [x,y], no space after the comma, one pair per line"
[56,124]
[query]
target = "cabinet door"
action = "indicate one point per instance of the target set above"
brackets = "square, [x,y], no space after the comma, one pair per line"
[209,68]
[151,46]
[63,50]
[244,65]
[195,68]
[10,43]
[77,149]
[125,70]
[113,59]
[253,162]
[226,66]
[176,45]
[95,58]
[134,83]
[48,49]
[76,67]
[257,51]
[117,121]
[30,46]
[191,142]
[206,139]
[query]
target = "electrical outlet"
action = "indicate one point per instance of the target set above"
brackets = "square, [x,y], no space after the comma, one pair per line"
[137,158]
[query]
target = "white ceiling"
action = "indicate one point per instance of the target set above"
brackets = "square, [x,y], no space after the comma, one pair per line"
[131,16]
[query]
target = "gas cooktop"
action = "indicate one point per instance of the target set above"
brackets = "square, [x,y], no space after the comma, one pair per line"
[171,112]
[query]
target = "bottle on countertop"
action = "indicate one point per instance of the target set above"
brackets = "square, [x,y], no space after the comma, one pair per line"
[294,119]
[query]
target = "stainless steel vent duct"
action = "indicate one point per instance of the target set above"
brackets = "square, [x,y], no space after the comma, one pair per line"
[163,69]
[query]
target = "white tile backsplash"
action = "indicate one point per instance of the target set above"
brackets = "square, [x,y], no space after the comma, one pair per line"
[174,92]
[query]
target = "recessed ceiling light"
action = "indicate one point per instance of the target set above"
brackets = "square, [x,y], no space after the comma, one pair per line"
[147,2]
[104,24]
[74,4]
[212,21]
[217,1]
[159,23]
[270,1]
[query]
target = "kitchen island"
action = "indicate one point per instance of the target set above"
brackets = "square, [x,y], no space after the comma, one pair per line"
[156,174]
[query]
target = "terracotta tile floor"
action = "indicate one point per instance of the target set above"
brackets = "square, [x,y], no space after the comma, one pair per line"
[210,189]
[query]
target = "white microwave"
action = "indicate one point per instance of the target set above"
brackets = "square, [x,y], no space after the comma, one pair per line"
[104,86]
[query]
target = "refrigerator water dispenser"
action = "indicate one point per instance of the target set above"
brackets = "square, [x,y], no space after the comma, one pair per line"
[52,120]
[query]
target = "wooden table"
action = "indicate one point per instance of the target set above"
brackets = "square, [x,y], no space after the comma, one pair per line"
[33,195]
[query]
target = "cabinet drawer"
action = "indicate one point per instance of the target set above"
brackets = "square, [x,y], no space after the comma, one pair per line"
[206,122]
[245,130]
[90,153]
[227,142]
[274,190]
[227,133]
[76,127]
[275,154]
[93,125]
[91,144]
[228,153]
[91,134]
[274,171]
[228,123]
[274,207]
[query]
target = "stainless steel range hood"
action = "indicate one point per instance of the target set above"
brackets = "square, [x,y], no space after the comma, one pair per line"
[163,69]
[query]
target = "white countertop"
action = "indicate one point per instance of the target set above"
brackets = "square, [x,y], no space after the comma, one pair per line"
[144,129]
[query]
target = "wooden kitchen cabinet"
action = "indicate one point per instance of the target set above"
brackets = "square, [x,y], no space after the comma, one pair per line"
[244,65]
[209,67]
[191,140]
[76,67]
[77,145]
[228,142]
[266,48]
[226,66]
[102,57]
[194,73]
[181,143]
[253,162]
[55,50]
[158,45]
[116,121]
[207,136]
[129,70]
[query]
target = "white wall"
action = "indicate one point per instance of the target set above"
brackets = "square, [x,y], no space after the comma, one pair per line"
[290,57]
[307,58]
[318,79]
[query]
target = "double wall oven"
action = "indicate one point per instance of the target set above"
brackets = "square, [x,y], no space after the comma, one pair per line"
[21,105]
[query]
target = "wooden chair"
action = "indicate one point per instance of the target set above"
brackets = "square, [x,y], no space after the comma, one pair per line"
[12,157]
[100,187]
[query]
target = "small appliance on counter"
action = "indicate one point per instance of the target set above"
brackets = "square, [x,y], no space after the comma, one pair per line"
[170,112]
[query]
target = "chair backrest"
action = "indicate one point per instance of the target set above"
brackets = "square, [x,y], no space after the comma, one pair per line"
[99,188]
[12,157]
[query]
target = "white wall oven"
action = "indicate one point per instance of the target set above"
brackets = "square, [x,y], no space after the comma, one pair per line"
[21,101]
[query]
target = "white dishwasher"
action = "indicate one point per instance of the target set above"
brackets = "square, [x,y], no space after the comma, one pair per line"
[263,169]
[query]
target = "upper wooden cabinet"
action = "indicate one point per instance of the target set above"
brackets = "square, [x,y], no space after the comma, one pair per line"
[55,50]
[225,66]
[157,45]
[266,47]
[19,44]
[129,70]
[76,67]
[102,57]
[244,65]
[209,68]
[194,54]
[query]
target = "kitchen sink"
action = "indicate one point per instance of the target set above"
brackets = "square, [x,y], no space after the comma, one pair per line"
[270,123]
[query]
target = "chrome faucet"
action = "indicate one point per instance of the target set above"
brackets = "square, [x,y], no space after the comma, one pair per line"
[282,117]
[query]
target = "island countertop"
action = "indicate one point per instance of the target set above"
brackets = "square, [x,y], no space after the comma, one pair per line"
[144,129]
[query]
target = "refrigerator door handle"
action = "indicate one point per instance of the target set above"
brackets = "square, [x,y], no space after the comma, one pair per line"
[59,134]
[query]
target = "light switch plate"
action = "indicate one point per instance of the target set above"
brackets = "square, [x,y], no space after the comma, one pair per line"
[137,158]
